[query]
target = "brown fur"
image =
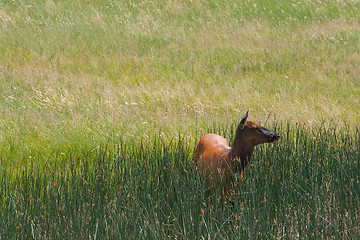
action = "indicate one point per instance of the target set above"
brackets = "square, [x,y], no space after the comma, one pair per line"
[216,159]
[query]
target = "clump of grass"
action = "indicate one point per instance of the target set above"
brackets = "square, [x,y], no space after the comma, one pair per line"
[305,186]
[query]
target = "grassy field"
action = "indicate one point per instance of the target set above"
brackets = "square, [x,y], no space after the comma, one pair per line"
[304,187]
[102,98]
[75,73]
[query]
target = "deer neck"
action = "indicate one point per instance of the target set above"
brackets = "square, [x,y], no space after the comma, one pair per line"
[241,153]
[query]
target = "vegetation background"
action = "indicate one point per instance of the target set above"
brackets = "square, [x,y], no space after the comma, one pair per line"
[74,73]
[76,76]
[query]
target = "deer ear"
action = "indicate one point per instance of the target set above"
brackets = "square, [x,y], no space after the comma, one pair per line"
[243,120]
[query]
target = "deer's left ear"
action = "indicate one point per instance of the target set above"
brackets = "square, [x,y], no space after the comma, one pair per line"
[243,120]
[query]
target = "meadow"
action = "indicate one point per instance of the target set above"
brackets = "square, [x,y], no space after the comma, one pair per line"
[102,103]
[304,187]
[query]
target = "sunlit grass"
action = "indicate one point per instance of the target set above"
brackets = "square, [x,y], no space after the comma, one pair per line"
[79,71]
[132,75]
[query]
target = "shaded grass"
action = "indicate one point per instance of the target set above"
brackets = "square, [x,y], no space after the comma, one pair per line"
[75,75]
[306,186]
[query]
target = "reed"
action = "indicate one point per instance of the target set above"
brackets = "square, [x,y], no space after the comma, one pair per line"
[92,93]
[305,186]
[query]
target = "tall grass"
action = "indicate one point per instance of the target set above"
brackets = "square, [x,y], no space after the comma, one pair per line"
[305,186]
[76,75]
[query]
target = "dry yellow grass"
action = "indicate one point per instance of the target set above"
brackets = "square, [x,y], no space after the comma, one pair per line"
[94,71]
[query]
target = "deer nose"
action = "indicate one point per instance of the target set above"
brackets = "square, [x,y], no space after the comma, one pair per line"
[275,136]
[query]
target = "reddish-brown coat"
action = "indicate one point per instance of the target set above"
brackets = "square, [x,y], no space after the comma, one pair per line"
[216,159]
[212,157]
